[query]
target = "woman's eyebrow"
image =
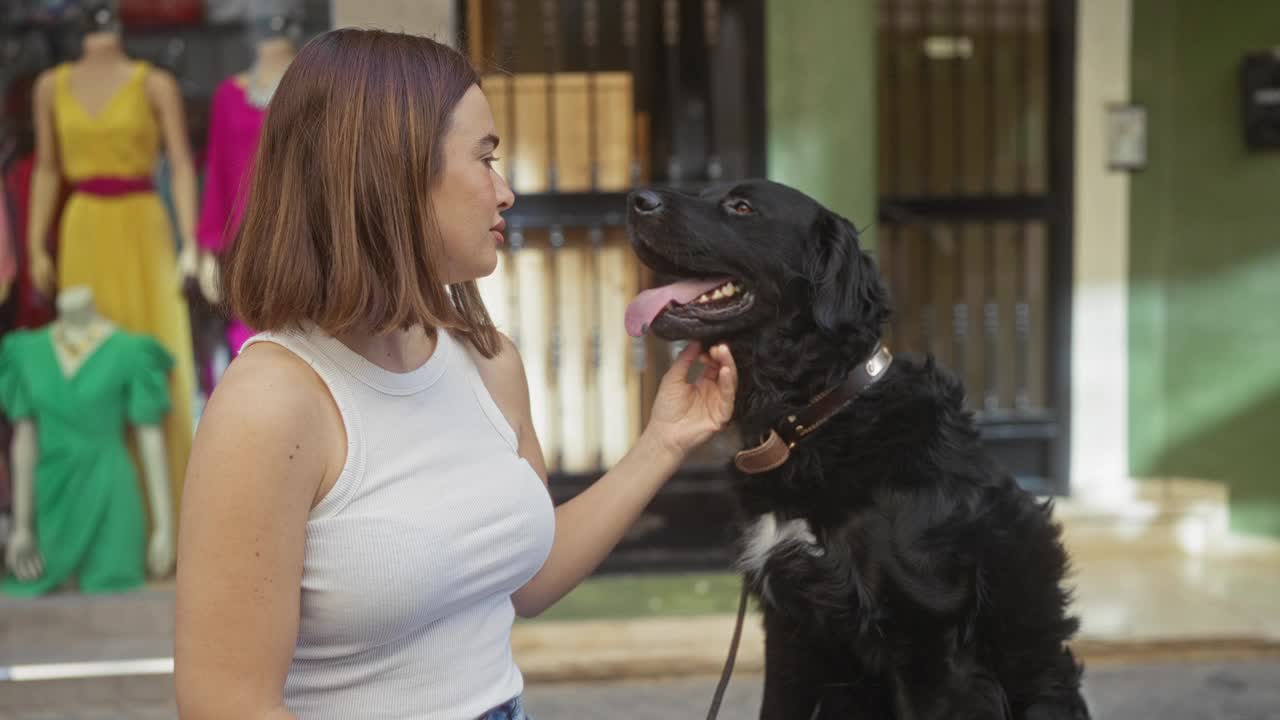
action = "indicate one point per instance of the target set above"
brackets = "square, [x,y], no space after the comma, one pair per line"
[488,142]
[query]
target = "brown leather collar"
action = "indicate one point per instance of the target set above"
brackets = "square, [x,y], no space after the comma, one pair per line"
[776,448]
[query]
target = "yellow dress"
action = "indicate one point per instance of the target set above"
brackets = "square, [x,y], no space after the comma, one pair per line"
[121,244]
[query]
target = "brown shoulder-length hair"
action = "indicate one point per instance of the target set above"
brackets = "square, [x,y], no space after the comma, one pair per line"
[337,226]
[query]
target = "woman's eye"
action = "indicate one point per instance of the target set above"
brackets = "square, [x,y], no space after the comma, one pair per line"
[742,207]
[491,160]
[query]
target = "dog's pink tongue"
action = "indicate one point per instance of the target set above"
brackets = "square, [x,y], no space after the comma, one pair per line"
[647,305]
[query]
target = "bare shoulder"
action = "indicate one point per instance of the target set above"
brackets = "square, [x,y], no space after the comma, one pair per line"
[270,411]
[507,360]
[504,378]
[272,381]
[263,449]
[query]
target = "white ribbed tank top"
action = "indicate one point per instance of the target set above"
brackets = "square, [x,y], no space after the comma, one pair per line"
[412,557]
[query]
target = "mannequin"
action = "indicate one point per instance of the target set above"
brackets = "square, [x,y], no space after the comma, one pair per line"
[100,124]
[103,66]
[239,104]
[79,514]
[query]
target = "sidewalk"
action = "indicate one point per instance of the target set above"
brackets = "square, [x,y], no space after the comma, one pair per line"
[1159,579]
[1163,584]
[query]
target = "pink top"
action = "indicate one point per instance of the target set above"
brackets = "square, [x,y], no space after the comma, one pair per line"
[234,126]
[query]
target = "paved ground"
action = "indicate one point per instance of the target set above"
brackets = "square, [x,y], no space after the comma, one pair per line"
[1226,691]
[1244,691]
[1237,691]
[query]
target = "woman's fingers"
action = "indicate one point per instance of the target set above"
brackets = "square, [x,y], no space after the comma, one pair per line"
[710,367]
[685,359]
[721,357]
[718,368]
[728,379]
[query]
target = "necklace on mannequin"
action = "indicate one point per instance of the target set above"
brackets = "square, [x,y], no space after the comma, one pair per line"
[78,342]
[79,329]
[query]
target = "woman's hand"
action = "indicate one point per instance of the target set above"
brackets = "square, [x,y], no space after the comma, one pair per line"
[686,414]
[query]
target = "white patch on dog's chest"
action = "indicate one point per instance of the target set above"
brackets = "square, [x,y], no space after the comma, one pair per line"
[766,535]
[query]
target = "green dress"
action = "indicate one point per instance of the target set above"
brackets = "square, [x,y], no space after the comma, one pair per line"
[90,521]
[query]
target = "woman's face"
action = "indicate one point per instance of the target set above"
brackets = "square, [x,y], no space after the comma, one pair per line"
[471,194]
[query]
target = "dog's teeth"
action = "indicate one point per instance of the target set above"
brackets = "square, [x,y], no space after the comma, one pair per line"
[729,290]
[718,294]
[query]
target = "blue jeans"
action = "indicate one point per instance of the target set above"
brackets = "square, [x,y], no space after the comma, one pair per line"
[512,709]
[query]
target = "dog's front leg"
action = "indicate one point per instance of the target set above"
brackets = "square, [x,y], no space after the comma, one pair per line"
[813,612]
[789,693]
[802,682]
[816,588]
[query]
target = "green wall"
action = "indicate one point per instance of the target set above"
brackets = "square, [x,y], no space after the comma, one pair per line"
[820,74]
[1205,260]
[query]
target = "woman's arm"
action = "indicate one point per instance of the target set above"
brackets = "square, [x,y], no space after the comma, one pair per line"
[590,525]
[265,446]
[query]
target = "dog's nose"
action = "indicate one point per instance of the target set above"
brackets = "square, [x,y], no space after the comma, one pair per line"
[646,201]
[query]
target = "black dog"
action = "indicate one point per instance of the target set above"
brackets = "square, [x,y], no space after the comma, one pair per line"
[901,572]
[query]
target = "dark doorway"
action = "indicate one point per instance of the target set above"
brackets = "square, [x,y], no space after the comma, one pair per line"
[976,122]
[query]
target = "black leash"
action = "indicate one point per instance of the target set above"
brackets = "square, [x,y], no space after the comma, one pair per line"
[733,654]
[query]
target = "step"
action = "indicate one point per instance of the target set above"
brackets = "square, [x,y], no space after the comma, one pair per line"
[1181,513]
[137,697]
[69,627]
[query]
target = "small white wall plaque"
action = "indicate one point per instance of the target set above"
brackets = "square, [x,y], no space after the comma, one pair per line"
[1126,137]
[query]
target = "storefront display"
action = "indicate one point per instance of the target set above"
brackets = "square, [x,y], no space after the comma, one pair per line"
[236,113]
[30,308]
[115,236]
[126,86]
[71,388]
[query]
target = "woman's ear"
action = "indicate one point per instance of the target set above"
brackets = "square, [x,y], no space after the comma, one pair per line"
[848,294]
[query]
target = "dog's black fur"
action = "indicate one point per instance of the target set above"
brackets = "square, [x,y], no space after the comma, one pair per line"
[935,589]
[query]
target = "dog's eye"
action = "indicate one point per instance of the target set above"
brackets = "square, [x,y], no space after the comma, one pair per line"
[741,207]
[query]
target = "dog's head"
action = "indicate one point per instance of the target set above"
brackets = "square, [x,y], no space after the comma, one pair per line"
[747,256]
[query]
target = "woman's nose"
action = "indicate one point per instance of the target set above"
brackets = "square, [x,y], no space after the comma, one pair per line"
[506,198]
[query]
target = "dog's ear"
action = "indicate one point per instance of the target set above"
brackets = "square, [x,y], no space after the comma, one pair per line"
[847,291]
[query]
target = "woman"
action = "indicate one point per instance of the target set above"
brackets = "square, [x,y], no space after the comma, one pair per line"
[367,508]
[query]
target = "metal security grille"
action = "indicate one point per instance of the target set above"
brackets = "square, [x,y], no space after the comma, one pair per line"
[975,118]
[592,98]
